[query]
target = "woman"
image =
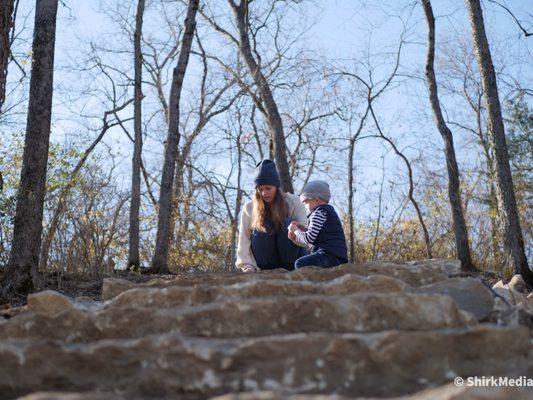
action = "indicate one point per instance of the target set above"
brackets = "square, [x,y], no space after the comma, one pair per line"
[263,241]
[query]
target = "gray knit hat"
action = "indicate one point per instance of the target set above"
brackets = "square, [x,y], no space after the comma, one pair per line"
[266,174]
[315,189]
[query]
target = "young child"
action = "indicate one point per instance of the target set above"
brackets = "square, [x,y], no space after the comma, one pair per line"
[324,234]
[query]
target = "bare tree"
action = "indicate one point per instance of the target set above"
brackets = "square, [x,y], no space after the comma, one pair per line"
[6,22]
[461,79]
[410,193]
[380,211]
[234,217]
[95,232]
[516,20]
[266,101]
[71,182]
[353,137]
[454,190]
[160,259]
[24,256]
[309,113]
[504,189]
[275,123]
[206,111]
[133,252]
[373,91]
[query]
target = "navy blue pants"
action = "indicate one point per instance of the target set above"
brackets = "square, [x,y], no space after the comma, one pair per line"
[318,259]
[274,249]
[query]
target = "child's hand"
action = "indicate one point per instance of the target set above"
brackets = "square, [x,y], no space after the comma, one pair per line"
[300,226]
[293,227]
[292,236]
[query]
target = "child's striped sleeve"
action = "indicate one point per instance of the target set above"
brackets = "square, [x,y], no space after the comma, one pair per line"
[316,222]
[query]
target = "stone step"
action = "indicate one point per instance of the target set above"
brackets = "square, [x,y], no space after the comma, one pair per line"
[445,392]
[173,296]
[412,274]
[362,312]
[470,294]
[381,364]
[75,396]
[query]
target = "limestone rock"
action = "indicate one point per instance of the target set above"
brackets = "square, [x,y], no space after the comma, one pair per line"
[354,330]
[517,283]
[363,312]
[112,287]
[413,274]
[72,325]
[348,364]
[452,392]
[511,296]
[268,395]
[446,392]
[499,284]
[514,292]
[49,302]
[422,273]
[470,294]
[72,396]
[515,316]
[53,303]
[451,267]
[173,296]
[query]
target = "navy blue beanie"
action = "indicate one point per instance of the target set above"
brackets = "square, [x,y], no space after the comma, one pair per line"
[266,174]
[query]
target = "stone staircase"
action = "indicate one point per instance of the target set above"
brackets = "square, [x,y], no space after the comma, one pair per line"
[356,331]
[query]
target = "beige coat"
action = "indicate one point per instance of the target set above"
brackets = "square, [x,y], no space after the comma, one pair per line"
[244,248]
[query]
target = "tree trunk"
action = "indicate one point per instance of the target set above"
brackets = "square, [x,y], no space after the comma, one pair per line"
[133,252]
[380,211]
[274,121]
[495,232]
[492,199]
[160,259]
[351,190]
[514,241]
[28,225]
[6,22]
[177,201]
[454,190]
[238,205]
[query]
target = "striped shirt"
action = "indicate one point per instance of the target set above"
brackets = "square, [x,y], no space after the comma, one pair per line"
[317,219]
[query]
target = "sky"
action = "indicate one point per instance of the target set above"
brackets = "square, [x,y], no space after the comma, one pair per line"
[338,29]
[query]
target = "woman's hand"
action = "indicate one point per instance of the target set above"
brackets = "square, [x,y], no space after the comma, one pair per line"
[249,269]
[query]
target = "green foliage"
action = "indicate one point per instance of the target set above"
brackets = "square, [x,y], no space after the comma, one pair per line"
[61,162]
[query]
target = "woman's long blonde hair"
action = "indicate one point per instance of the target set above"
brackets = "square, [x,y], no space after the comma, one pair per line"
[275,212]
